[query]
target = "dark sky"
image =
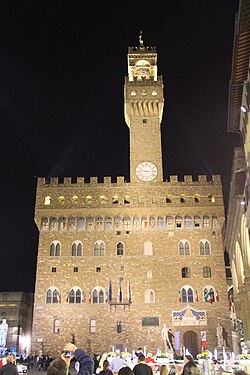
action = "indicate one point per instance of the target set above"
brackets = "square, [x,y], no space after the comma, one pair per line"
[62,68]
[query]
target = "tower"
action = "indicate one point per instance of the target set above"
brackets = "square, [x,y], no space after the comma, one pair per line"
[143,95]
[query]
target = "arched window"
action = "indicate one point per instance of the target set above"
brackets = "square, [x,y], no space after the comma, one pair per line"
[77,248]
[127,223]
[152,222]
[204,247]
[207,272]
[184,247]
[61,200]
[92,326]
[56,326]
[179,222]
[149,296]
[78,296]
[52,295]
[115,199]
[187,294]
[206,222]
[182,198]
[168,199]
[89,200]
[120,248]
[47,200]
[90,223]
[136,223]
[148,248]
[81,222]
[75,295]
[144,222]
[55,249]
[197,198]
[45,223]
[169,222]
[62,223]
[188,222]
[99,248]
[185,272]
[209,295]
[126,199]
[72,223]
[53,223]
[99,223]
[160,222]
[72,296]
[197,221]
[118,223]
[103,199]
[108,222]
[98,295]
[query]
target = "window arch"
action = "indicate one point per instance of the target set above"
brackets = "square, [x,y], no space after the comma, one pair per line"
[160,222]
[127,223]
[187,294]
[75,295]
[56,326]
[179,222]
[197,221]
[74,199]
[184,247]
[90,223]
[92,326]
[103,199]
[89,199]
[120,249]
[168,199]
[169,222]
[45,223]
[144,222]
[115,199]
[81,222]
[61,200]
[53,223]
[76,249]
[148,248]
[55,249]
[72,223]
[182,198]
[136,223]
[98,295]
[197,198]
[152,222]
[204,246]
[62,223]
[99,248]
[99,223]
[52,295]
[207,273]
[185,272]
[206,222]
[188,222]
[149,296]
[108,222]
[118,223]
[209,291]
[47,200]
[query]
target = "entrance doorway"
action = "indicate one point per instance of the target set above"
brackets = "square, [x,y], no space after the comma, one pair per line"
[190,341]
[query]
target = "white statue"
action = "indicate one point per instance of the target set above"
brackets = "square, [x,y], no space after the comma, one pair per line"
[3,333]
[165,337]
[220,339]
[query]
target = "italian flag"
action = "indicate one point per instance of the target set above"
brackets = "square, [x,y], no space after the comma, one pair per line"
[83,298]
[67,297]
[179,296]
[107,297]
[196,296]
[89,299]
[217,296]
[208,298]
[57,298]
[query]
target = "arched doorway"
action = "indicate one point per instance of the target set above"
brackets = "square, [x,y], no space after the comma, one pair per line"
[190,341]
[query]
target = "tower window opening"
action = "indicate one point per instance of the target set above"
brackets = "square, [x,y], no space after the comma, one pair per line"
[144,121]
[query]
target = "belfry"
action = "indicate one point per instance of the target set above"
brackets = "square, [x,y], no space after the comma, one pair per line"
[119,260]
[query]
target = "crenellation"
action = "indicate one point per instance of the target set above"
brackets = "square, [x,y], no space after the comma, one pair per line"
[188,179]
[93,181]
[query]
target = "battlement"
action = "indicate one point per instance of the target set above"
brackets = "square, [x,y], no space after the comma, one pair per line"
[143,82]
[120,180]
[141,49]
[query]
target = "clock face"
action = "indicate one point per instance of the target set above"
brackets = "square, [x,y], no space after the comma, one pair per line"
[146,171]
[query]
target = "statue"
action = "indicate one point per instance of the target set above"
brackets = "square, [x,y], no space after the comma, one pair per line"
[220,339]
[167,337]
[3,333]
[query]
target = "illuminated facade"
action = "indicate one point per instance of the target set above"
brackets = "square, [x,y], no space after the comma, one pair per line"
[118,259]
[238,218]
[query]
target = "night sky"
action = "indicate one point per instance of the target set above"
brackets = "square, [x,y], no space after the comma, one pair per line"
[62,68]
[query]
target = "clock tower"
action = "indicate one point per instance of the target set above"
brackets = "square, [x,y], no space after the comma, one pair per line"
[143,96]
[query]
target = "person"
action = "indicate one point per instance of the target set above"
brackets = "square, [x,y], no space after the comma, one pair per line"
[142,368]
[150,361]
[96,359]
[117,363]
[10,367]
[172,370]
[106,370]
[164,370]
[60,366]
[190,367]
[3,333]
[125,371]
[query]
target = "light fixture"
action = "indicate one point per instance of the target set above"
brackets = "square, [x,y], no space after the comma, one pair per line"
[243,202]
[244,108]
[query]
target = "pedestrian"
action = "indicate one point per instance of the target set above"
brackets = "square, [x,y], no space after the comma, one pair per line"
[117,363]
[164,370]
[106,370]
[190,367]
[60,366]
[142,368]
[125,371]
[10,367]
[96,360]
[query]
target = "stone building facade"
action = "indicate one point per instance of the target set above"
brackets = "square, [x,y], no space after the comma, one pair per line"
[238,218]
[118,259]
[17,309]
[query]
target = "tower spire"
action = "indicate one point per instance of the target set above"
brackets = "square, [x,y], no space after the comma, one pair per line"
[141,40]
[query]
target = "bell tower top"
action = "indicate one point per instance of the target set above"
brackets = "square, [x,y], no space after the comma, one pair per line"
[142,62]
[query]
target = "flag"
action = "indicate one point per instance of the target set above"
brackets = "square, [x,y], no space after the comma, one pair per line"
[208,298]
[89,298]
[110,291]
[179,296]
[129,293]
[57,297]
[120,294]
[217,296]
[67,297]
[83,297]
[196,296]
[107,297]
